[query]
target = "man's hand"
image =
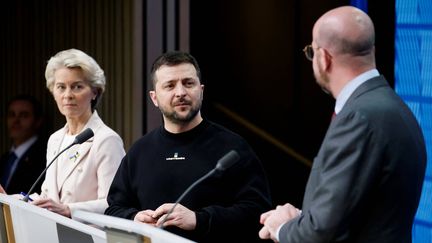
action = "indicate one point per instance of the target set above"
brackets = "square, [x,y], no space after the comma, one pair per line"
[146,216]
[181,217]
[2,190]
[273,219]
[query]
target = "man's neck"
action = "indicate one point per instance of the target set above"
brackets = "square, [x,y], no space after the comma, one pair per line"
[17,142]
[22,148]
[184,127]
[344,77]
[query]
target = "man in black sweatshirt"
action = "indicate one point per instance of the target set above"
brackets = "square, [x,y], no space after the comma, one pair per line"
[165,162]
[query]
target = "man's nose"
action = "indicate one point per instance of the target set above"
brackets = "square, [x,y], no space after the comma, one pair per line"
[180,90]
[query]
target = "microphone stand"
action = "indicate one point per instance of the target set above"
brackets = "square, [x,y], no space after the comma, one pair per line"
[223,163]
[184,194]
[27,196]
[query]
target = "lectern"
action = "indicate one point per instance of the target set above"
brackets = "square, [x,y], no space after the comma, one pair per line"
[21,222]
[121,230]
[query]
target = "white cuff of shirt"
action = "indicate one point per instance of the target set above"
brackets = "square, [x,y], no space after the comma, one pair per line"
[277,232]
[280,227]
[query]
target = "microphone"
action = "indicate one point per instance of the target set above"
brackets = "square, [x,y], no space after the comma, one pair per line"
[227,161]
[223,164]
[83,136]
[79,139]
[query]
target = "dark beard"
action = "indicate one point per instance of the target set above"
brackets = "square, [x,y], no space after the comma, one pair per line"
[174,117]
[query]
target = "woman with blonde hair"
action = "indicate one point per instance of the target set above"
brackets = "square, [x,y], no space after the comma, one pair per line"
[80,177]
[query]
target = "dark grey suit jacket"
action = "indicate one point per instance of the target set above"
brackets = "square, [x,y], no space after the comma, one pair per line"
[366,180]
[31,164]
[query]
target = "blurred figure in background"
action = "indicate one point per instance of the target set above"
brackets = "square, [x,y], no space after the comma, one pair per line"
[23,163]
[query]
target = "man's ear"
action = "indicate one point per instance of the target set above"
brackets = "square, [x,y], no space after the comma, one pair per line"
[326,59]
[152,94]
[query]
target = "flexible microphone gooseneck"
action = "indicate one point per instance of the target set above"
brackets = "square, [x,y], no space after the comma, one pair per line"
[79,139]
[223,163]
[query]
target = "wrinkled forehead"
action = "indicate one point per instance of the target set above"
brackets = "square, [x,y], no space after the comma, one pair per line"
[177,72]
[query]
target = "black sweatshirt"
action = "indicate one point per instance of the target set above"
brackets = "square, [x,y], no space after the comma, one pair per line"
[161,165]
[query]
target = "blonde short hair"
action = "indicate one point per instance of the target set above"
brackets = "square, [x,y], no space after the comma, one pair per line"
[74,58]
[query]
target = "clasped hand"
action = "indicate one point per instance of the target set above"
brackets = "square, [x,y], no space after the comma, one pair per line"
[181,217]
[273,219]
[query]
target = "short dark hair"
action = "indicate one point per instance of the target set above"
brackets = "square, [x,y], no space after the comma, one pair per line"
[37,106]
[173,58]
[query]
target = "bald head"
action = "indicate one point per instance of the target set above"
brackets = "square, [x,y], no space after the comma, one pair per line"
[345,30]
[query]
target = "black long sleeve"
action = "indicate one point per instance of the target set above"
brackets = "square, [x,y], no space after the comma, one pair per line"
[160,166]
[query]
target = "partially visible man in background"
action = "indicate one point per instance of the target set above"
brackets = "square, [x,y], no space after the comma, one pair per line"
[22,164]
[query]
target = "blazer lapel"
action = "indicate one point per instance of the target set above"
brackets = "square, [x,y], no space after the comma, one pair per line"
[51,174]
[78,152]
[74,157]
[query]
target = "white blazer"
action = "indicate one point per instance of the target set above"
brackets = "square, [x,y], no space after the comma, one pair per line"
[84,179]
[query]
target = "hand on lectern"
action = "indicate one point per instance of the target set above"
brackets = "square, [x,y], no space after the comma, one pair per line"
[2,190]
[53,206]
[145,216]
[180,217]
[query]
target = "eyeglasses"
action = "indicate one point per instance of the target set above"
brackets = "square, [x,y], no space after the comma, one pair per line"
[309,52]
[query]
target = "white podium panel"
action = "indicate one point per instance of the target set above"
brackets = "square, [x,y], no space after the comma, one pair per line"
[129,228]
[33,224]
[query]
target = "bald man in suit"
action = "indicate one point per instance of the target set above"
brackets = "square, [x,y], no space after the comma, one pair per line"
[366,180]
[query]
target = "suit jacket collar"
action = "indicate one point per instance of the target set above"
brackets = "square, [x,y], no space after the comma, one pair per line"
[351,86]
[80,150]
[23,148]
[367,86]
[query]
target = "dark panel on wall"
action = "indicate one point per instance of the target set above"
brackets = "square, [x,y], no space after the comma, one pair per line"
[252,64]
[32,31]
[383,15]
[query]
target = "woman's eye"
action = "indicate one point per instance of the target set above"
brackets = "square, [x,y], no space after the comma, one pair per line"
[77,87]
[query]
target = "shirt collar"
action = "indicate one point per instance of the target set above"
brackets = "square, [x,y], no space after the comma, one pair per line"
[22,148]
[351,86]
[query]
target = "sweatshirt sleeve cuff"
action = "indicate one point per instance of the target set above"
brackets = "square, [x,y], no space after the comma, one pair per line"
[202,222]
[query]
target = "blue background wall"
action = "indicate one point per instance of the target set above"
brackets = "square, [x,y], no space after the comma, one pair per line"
[413,82]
